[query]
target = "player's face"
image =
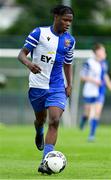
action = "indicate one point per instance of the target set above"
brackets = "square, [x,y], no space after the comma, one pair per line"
[63,22]
[101,53]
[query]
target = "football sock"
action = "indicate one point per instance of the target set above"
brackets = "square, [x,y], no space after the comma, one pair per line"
[83,122]
[40,130]
[47,149]
[93,126]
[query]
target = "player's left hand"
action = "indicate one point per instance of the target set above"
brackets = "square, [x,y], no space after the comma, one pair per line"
[68,90]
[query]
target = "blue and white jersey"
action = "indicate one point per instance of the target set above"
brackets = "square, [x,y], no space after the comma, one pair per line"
[49,51]
[104,67]
[92,69]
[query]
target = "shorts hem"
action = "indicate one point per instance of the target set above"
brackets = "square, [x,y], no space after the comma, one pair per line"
[56,105]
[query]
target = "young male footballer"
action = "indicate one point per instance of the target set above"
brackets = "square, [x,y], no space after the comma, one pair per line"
[51,50]
[96,78]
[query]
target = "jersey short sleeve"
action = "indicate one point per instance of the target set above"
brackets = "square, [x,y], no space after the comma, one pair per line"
[33,39]
[85,69]
[70,54]
[105,67]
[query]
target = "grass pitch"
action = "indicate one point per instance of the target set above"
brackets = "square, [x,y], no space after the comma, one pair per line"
[19,157]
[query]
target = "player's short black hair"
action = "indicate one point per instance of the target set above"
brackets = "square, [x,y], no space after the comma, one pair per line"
[61,10]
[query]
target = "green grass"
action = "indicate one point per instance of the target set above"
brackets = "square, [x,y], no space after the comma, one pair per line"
[19,157]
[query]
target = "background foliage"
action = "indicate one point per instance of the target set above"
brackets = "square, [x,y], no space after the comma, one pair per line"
[91,17]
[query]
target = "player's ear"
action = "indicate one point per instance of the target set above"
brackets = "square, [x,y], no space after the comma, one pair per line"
[56,17]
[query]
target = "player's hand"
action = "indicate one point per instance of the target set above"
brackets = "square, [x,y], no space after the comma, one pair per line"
[98,83]
[94,81]
[68,90]
[34,68]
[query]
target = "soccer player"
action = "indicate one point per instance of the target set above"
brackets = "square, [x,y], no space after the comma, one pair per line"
[51,50]
[95,78]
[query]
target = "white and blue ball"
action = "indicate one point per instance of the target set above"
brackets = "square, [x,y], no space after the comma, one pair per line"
[56,161]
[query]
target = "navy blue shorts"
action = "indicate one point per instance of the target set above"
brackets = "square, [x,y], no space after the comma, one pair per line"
[90,100]
[41,99]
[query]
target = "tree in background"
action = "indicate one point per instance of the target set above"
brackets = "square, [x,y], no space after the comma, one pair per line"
[35,13]
[92,17]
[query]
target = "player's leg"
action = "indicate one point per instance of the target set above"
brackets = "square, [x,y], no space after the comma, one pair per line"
[92,123]
[94,120]
[99,108]
[51,136]
[84,118]
[53,124]
[56,104]
[37,98]
[39,127]
[86,111]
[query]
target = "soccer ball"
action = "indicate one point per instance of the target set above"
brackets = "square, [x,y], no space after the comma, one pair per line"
[56,161]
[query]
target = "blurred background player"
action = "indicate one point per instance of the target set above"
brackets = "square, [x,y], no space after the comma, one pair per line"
[51,49]
[95,77]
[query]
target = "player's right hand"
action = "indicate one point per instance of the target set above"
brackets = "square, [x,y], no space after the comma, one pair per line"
[98,83]
[34,68]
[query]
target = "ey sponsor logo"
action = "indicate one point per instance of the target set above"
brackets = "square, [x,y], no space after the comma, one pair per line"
[47,59]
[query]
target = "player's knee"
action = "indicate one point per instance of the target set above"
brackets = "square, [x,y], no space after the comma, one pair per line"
[97,114]
[54,122]
[40,118]
[40,121]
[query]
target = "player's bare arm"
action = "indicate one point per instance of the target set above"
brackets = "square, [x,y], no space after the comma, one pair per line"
[31,66]
[68,75]
[90,79]
[108,81]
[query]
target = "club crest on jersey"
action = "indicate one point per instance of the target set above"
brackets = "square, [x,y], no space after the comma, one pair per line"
[48,38]
[67,42]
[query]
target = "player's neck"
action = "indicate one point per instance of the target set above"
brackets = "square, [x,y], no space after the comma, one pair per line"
[56,30]
[98,59]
